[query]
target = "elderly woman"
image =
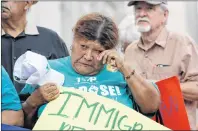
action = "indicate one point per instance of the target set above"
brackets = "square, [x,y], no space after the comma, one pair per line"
[94,66]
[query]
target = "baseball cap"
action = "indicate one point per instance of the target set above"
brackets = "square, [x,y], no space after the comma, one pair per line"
[152,2]
[35,1]
[33,68]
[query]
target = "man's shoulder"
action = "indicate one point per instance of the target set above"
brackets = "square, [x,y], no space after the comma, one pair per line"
[181,38]
[43,30]
[176,35]
[59,62]
[133,45]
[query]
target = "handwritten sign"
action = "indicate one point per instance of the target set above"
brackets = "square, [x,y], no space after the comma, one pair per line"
[172,107]
[78,110]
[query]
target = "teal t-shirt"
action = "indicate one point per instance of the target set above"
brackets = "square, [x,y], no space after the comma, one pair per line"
[106,83]
[9,97]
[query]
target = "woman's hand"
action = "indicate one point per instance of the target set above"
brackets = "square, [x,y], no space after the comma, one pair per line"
[111,57]
[49,91]
[40,96]
[43,94]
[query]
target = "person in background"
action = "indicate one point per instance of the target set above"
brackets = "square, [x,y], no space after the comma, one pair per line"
[11,108]
[19,35]
[94,59]
[160,53]
[128,32]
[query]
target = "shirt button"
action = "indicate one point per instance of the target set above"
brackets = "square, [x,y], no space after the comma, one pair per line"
[14,58]
[146,56]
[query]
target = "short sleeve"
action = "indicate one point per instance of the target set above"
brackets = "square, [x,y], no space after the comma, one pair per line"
[10,99]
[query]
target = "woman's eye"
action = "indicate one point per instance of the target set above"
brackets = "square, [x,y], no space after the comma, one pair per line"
[84,47]
[98,51]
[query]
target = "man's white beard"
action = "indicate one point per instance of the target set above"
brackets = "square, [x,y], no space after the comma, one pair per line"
[143,29]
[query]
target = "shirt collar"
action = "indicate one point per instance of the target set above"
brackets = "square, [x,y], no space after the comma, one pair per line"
[161,39]
[30,29]
[2,32]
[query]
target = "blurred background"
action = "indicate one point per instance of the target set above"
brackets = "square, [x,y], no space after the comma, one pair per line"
[61,16]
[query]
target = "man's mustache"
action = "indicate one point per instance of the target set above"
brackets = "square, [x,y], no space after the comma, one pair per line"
[143,19]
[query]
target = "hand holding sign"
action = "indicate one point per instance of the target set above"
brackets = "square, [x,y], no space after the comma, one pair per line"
[79,110]
[49,91]
[43,94]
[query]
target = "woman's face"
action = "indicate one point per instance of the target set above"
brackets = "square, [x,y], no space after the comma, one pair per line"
[84,56]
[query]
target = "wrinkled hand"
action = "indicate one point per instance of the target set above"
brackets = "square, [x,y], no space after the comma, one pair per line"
[49,91]
[112,58]
[45,93]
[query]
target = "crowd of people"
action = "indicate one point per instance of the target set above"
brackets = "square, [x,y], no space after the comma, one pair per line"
[153,54]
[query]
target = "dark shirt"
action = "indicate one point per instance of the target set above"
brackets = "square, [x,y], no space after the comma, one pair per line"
[46,42]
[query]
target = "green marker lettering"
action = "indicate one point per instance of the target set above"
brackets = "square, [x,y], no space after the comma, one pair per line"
[102,108]
[84,102]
